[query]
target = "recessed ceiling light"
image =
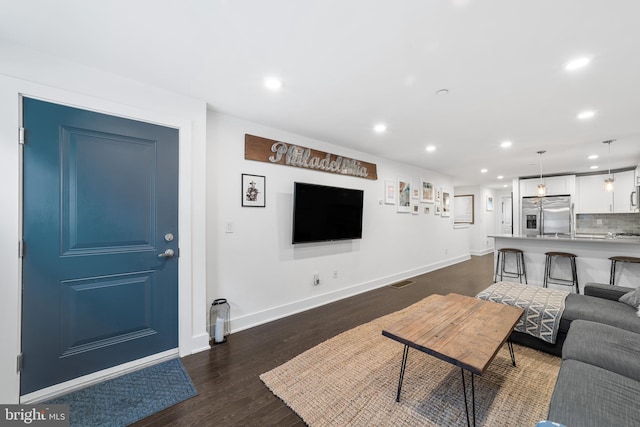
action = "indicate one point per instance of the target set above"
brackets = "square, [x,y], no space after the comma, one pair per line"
[505,185]
[577,63]
[431,148]
[484,170]
[380,127]
[442,92]
[505,144]
[586,115]
[593,157]
[500,177]
[594,167]
[272,83]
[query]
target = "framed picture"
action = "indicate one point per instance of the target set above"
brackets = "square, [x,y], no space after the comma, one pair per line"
[404,195]
[437,209]
[427,211]
[415,208]
[446,204]
[426,191]
[415,192]
[253,191]
[389,192]
[463,209]
[438,192]
[489,203]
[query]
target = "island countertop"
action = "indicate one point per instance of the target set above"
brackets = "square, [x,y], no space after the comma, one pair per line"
[592,252]
[596,238]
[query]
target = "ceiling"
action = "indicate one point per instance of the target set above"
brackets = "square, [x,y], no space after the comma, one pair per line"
[347,65]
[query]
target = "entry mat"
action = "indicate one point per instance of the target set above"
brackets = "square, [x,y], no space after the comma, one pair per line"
[129,398]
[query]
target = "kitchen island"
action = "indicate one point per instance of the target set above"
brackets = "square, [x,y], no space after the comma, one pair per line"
[592,251]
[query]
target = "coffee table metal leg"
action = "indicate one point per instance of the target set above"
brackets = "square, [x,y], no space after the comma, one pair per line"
[473,399]
[404,365]
[511,352]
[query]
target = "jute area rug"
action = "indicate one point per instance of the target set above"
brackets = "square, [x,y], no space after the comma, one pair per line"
[352,379]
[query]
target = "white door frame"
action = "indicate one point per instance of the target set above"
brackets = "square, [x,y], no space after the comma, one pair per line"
[192,335]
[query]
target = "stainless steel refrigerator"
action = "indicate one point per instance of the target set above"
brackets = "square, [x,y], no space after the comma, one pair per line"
[544,216]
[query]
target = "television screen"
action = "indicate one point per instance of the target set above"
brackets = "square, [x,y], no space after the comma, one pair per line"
[323,213]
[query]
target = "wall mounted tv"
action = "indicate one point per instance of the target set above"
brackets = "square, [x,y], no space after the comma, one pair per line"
[322,213]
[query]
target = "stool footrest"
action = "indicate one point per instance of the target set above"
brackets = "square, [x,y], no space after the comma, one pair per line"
[501,269]
[548,279]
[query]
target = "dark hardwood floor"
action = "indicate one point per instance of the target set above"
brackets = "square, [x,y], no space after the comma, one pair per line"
[230,392]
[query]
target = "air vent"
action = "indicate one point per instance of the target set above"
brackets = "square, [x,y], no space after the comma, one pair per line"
[402,284]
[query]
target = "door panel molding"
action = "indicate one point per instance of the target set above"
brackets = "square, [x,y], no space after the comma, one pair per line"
[85,153]
[89,298]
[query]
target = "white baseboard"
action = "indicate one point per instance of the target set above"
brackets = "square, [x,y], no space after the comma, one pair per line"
[198,343]
[96,377]
[255,319]
[481,252]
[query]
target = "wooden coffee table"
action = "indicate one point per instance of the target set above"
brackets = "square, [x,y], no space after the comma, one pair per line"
[464,331]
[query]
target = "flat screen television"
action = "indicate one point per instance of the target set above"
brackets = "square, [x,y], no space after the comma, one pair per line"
[322,213]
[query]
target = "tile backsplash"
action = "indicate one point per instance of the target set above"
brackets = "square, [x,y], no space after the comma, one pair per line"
[608,223]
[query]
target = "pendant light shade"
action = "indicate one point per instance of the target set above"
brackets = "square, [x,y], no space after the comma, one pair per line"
[542,189]
[608,183]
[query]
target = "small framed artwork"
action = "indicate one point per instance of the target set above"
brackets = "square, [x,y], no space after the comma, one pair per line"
[426,191]
[415,208]
[446,204]
[404,195]
[438,192]
[415,192]
[437,209]
[427,210]
[489,203]
[389,192]
[253,191]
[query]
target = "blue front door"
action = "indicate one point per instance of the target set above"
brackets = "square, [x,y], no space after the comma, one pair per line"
[100,206]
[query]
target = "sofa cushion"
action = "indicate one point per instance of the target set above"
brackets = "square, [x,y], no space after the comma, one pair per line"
[607,291]
[587,395]
[599,310]
[608,347]
[631,298]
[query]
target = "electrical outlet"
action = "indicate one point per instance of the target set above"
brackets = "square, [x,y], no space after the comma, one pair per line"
[316,279]
[335,274]
[228,227]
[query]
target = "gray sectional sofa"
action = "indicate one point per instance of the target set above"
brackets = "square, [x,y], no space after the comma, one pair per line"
[598,304]
[599,379]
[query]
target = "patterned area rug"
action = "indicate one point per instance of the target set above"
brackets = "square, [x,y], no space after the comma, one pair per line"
[543,307]
[352,380]
[129,398]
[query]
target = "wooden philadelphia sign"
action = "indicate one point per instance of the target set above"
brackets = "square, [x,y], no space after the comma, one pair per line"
[281,153]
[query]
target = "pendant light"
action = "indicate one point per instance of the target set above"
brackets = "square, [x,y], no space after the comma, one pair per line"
[542,190]
[608,183]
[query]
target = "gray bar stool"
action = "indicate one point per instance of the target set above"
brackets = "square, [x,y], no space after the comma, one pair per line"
[553,280]
[500,265]
[614,260]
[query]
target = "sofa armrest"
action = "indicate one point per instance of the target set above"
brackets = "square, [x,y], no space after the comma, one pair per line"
[605,291]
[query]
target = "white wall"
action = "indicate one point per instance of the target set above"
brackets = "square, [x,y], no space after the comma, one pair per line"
[264,276]
[27,72]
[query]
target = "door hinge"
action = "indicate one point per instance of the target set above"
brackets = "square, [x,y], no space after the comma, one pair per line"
[20,361]
[21,249]
[21,136]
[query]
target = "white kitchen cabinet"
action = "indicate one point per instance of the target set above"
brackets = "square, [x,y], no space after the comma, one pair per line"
[622,188]
[555,186]
[591,197]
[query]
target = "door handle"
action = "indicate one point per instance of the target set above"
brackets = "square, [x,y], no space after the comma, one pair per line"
[167,254]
